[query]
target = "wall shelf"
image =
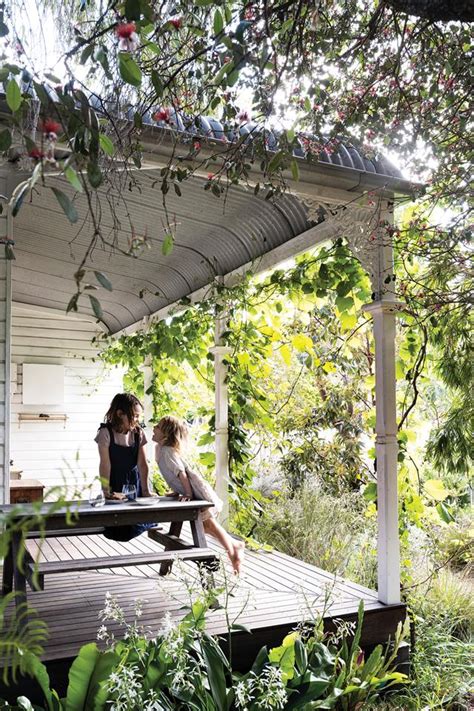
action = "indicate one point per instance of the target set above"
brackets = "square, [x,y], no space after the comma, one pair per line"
[42,417]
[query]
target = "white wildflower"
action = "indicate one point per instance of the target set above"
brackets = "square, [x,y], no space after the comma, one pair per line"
[102,632]
[243,693]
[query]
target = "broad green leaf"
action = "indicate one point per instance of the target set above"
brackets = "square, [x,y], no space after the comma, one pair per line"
[13,95]
[216,674]
[38,670]
[435,489]
[94,174]
[243,358]
[444,513]
[80,675]
[302,343]
[106,144]
[96,307]
[167,246]
[103,281]
[276,161]
[295,171]
[73,178]
[19,198]
[68,207]
[370,492]
[284,656]
[348,321]
[129,69]
[132,9]
[225,69]
[218,22]
[5,139]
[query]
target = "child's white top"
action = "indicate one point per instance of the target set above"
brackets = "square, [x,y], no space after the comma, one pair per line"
[170,464]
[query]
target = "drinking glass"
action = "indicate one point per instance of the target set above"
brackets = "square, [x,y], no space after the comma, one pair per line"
[96,495]
[130,491]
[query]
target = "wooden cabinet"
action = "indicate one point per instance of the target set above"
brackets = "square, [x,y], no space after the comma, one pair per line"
[24,491]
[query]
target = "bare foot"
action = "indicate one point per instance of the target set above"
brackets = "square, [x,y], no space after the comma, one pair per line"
[238,556]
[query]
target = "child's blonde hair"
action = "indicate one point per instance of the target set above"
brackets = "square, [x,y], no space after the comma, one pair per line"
[174,431]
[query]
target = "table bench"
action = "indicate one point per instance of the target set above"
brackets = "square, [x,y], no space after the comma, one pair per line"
[80,518]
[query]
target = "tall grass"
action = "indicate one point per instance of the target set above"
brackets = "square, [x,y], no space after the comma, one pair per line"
[329,532]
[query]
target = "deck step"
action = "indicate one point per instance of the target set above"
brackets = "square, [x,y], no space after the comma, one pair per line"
[39,570]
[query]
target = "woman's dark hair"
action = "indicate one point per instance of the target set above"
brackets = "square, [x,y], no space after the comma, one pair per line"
[126,403]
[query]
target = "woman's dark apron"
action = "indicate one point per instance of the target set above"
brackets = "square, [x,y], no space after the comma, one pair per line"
[124,470]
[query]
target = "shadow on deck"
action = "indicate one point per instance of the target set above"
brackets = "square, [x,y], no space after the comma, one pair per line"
[274,594]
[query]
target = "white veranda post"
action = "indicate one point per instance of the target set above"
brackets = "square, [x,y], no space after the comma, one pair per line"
[220,352]
[148,408]
[371,242]
[5,342]
[383,311]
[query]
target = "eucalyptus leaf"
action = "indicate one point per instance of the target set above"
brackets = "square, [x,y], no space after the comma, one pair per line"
[67,205]
[96,307]
[106,144]
[103,280]
[73,178]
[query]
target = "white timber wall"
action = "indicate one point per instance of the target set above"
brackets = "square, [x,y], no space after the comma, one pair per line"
[5,288]
[54,452]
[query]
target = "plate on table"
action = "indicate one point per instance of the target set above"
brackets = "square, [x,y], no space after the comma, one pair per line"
[146,500]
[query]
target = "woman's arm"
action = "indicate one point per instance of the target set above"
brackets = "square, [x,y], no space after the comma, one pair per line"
[104,468]
[143,469]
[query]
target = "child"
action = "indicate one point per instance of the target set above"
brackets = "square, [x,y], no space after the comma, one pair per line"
[171,434]
[121,443]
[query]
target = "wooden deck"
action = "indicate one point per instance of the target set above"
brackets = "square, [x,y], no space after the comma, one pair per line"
[274,594]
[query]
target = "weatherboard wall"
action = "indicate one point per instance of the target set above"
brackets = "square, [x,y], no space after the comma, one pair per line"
[58,452]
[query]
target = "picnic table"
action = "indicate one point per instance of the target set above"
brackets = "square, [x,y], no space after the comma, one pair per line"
[80,518]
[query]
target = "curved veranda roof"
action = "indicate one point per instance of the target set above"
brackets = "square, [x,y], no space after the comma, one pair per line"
[213,236]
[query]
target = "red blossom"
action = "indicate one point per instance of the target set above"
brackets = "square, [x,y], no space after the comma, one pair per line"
[50,126]
[36,154]
[162,115]
[126,30]
[197,146]
[211,176]
[177,22]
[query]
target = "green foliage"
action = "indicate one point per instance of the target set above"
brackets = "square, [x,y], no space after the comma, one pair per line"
[185,668]
[22,636]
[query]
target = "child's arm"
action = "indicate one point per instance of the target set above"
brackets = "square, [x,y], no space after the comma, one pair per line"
[144,471]
[184,479]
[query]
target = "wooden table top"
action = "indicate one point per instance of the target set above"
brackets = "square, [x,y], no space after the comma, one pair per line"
[80,514]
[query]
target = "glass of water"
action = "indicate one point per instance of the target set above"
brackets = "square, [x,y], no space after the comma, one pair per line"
[96,495]
[130,491]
